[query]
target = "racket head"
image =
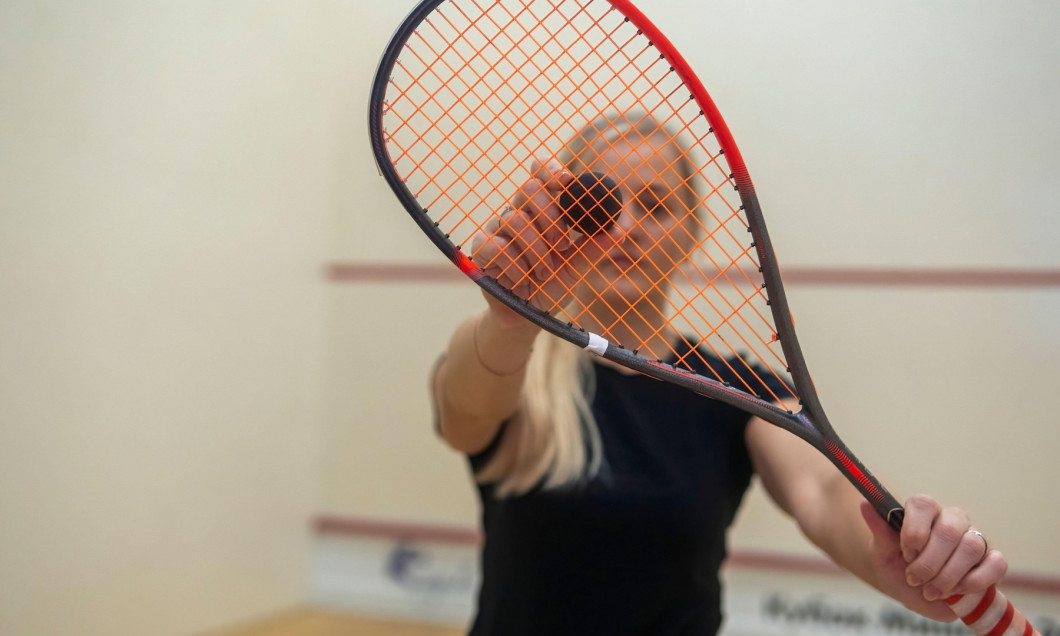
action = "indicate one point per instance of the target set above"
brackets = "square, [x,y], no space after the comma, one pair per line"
[467,93]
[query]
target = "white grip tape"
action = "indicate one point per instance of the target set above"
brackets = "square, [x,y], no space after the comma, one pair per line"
[596,344]
[994,618]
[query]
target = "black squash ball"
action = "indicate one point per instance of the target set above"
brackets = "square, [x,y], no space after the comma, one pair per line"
[591,203]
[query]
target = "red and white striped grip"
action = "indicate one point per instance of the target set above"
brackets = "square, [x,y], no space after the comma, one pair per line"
[989,613]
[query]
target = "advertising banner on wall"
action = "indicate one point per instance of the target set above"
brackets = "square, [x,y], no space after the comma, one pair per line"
[765,594]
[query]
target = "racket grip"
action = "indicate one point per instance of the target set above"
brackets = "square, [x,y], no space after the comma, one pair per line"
[989,613]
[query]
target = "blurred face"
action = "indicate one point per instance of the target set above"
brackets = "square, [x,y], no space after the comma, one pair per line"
[662,230]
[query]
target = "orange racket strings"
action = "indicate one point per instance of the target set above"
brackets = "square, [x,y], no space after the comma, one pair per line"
[482,88]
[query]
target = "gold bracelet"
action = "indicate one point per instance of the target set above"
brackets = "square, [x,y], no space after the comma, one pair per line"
[478,354]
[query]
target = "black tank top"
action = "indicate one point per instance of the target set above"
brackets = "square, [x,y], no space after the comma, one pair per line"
[637,549]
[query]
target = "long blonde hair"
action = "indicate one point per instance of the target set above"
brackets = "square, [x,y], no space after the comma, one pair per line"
[553,440]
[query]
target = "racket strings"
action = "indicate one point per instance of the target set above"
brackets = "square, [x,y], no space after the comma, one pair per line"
[481,88]
[735,310]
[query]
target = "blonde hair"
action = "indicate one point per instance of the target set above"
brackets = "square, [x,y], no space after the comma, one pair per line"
[553,440]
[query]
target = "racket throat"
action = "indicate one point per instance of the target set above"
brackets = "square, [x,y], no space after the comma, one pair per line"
[867,484]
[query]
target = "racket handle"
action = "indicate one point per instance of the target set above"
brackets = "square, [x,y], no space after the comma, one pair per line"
[989,613]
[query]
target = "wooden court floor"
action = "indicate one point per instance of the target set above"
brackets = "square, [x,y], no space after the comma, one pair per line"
[324,623]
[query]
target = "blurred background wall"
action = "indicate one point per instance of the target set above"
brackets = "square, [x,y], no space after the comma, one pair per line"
[168,178]
[184,387]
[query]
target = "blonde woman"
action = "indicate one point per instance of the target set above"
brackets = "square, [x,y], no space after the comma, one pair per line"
[606,495]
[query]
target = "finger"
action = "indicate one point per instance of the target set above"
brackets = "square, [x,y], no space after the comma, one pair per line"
[884,535]
[989,572]
[920,513]
[501,261]
[525,288]
[950,525]
[553,295]
[495,252]
[552,174]
[518,199]
[547,216]
[967,555]
[548,234]
[516,271]
[545,200]
[480,244]
[529,247]
[486,244]
[500,252]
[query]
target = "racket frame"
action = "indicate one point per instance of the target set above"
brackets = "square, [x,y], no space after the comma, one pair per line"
[809,423]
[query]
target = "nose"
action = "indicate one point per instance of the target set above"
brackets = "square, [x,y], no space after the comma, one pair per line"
[627,219]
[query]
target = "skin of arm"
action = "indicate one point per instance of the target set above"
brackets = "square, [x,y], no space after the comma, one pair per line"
[477,385]
[935,555]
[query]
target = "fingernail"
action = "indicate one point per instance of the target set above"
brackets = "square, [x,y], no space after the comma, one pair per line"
[913,580]
[931,593]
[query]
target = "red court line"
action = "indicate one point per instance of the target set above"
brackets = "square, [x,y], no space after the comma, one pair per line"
[743,559]
[900,277]
[381,272]
[391,273]
[400,531]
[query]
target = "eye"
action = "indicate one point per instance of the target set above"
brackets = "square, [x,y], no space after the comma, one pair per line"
[652,204]
[647,200]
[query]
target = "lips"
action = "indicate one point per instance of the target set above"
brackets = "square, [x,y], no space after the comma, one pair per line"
[622,261]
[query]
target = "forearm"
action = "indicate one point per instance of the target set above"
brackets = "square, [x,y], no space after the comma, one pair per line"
[478,384]
[832,520]
[813,491]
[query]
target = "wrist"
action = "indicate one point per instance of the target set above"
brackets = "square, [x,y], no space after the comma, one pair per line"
[502,347]
[499,319]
